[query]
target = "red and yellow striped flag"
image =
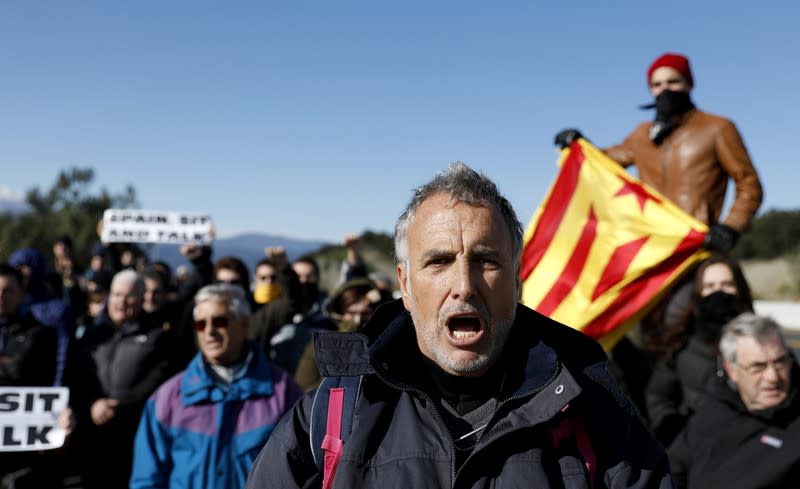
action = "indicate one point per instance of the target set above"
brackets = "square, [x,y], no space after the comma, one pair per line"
[603,248]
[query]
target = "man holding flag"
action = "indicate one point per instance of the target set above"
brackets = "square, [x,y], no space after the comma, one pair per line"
[687,157]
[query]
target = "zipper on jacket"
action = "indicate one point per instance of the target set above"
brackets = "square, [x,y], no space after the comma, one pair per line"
[503,404]
[438,416]
[487,427]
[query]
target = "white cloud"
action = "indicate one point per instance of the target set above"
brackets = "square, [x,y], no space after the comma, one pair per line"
[12,202]
[10,194]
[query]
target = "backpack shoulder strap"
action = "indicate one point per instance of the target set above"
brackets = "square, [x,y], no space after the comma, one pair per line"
[331,422]
[572,429]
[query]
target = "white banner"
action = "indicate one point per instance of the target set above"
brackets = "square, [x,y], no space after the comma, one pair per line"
[28,418]
[138,226]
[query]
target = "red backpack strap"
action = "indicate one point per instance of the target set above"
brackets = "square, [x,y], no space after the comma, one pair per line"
[332,444]
[332,413]
[571,425]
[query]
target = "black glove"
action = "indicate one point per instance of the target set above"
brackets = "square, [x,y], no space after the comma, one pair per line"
[721,238]
[565,138]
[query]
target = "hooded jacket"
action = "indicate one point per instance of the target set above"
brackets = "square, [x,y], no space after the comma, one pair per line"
[692,166]
[197,433]
[46,308]
[399,439]
[27,352]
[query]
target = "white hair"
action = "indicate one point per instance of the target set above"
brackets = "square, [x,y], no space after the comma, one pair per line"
[130,276]
[760,328]
[231,295]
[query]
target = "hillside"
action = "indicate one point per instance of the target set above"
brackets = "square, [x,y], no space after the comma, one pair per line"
[777,279]
[377,251]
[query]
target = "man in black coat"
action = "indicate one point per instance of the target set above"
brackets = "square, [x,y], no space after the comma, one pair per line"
[461,386]
[130,358]
[747,432]
[27,359]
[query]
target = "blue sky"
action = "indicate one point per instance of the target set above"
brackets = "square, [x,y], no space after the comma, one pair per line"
[314,119]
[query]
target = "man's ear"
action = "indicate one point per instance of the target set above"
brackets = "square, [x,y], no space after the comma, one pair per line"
[402,276]
[730,371]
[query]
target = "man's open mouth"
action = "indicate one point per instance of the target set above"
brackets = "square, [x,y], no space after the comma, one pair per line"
[464,330]
[464,327]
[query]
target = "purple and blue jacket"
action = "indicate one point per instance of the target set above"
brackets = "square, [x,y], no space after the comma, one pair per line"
[198,433]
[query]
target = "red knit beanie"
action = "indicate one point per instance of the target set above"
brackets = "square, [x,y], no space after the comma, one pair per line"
[673,60]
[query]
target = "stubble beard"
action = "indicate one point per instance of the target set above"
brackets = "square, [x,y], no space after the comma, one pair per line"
[478,362]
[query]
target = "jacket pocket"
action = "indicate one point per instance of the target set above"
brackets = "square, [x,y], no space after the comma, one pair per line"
[573,473]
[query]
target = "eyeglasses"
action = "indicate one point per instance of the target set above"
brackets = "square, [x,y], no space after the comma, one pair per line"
[218,322]
[780,364]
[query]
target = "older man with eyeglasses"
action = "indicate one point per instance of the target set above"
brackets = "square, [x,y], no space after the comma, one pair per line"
[747,433]
[205,426]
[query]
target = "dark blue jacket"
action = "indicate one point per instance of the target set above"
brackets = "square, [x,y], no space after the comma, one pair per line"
[45,307]
[399,439]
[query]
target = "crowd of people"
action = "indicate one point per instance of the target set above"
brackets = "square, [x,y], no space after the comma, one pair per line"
[146,356]
[218,378]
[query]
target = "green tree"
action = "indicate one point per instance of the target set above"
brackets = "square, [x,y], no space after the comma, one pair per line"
[68,207]
[772,234]
[382,243]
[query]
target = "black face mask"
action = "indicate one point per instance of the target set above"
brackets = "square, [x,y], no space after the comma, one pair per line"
[713,312]
[668,105]
[308,293]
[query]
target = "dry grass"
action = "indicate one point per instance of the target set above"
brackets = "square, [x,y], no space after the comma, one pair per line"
[777,279]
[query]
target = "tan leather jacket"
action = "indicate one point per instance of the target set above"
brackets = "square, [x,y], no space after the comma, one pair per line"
[692,166]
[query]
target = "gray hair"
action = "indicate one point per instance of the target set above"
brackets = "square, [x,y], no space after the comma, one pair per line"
[760,328]
[463,184]
[231,295]
[130,276]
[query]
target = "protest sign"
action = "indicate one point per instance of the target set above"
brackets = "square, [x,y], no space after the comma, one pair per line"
[141,226]
[28,418]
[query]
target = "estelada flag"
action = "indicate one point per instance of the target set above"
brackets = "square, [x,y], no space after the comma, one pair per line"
[603,247]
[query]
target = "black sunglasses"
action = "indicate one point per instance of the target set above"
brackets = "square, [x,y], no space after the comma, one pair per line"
[218,322]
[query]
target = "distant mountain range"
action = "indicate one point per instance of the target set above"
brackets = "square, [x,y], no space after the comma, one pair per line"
[14,207]
[248,247]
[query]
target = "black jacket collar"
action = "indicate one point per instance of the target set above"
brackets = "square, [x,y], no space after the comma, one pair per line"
[387,344]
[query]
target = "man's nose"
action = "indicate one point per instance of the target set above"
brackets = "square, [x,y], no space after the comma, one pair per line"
[464,281]
[771,372]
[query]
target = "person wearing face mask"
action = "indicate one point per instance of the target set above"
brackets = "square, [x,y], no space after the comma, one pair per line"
[266,282]
[309,297]
[276,284]
[719,294]
[689,155]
